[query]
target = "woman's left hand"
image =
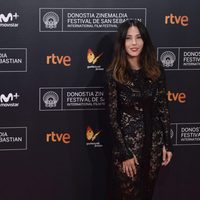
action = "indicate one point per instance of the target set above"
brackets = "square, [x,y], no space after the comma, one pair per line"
[167,156]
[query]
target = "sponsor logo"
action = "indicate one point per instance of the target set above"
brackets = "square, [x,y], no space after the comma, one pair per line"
[92,137]
[13,138]
[180,20]
[176,97]
[53,137]
[61,60]
[9,17]
[7,20]
[13,60]
[51,20]
[179,58]
[87,19]
[71,98]
[93,59]
[9,100]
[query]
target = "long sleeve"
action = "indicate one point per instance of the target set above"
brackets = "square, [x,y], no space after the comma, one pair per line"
[163,110]
[118,140]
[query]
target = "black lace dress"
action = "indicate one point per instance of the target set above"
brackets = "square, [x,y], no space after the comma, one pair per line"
[139,118]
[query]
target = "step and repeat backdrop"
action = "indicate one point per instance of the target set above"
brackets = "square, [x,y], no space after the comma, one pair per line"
[55,139]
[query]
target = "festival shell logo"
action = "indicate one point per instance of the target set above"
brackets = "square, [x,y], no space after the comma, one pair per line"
[168,58]
[51,20]
[50,99]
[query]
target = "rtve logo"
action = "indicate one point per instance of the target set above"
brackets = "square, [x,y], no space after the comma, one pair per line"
[9,16]
[9,97]
[177,97]
[58,137]
[173,19]
[64,60]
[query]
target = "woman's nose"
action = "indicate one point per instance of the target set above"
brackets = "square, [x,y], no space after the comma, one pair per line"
[133,41]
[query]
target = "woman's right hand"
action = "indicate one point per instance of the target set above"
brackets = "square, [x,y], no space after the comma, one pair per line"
[129,166]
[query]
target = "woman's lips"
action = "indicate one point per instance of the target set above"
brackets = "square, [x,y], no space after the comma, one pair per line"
[134,49]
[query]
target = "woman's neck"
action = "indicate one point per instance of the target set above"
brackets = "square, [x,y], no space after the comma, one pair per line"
[134,63]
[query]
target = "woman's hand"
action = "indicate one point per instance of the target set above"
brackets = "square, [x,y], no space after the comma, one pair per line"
[129,166]
[167,156]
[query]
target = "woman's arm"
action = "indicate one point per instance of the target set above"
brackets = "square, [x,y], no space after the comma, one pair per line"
[163,110]
[125,153]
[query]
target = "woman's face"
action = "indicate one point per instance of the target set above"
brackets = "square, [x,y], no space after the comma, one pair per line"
[133,43]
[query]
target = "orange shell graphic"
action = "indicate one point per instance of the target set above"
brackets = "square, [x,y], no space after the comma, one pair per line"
[90,134]
[91,57]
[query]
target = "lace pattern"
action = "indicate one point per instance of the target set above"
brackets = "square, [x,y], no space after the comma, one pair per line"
[139,118]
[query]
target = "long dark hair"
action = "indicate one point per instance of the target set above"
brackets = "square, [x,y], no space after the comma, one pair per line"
[147,60]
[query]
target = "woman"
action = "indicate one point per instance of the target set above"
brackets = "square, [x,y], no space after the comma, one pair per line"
[139,115]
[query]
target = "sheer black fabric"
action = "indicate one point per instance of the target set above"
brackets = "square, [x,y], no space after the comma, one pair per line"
[139,117]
